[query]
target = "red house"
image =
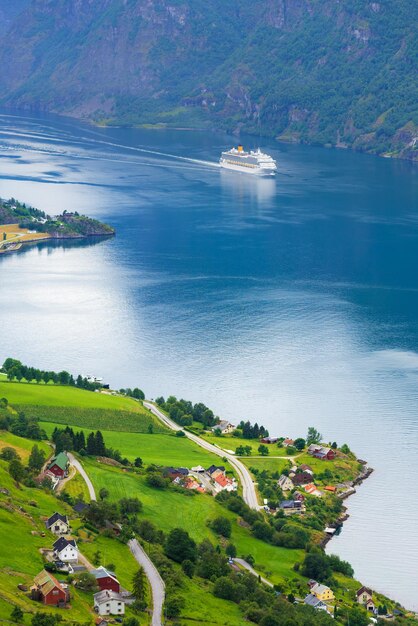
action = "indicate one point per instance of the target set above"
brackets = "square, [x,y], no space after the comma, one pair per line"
[106,579]
[59,464]
[48,590]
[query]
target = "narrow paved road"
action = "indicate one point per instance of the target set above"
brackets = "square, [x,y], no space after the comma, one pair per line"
[155,580]
[248,489]
[75,463]
[248,567]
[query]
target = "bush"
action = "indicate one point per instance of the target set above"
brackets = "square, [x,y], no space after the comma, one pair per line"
[222,526]
[174,606]
[156,480]
[179,546]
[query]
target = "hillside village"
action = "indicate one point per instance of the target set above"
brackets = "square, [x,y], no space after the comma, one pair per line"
[98,502]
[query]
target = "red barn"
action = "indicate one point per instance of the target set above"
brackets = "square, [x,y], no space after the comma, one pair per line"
[59,464]
[106,579]
[48,590]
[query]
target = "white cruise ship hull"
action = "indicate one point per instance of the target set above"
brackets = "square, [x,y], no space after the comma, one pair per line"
[255,171]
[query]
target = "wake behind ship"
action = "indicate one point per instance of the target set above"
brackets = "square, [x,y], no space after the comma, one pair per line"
[253,162]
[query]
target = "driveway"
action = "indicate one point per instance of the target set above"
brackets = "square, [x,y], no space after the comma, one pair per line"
[75,463]
[154,578]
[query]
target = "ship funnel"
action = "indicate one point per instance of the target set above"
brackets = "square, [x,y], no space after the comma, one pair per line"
[240,148]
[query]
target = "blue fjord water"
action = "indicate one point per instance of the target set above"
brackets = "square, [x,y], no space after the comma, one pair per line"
[291,301]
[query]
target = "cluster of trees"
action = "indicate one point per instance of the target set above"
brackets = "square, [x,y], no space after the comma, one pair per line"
[184,412]
[320,566]
[243,451]
[17,470]
[248,431]
[20,424]
[136,393]
[94,445]
[124,511]
[16,370]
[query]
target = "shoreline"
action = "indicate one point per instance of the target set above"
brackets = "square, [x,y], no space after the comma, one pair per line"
[344,516]
[15,246]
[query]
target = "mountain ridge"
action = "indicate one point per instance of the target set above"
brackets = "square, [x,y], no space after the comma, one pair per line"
[320,72]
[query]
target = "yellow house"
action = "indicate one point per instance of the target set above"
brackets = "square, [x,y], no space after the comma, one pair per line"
[322,592]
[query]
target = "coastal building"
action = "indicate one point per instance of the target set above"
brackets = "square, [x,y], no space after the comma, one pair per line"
[58,466]
[285,483]
[322,592]
[312,490]
[321,452]
[66,550]
[288,442]
[225,427]
[302,478]
[364,597]
[108,602]
[48,590]
[58,524]
[269,440]
[290,507]
[315,602]
[106,579]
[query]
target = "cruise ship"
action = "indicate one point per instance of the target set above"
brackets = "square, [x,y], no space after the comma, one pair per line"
[253,162]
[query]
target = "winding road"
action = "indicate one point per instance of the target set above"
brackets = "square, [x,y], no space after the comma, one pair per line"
[252,571]
[248,488]
[155,580]
[75,463]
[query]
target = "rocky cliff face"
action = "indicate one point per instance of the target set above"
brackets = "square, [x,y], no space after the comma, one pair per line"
[337,72]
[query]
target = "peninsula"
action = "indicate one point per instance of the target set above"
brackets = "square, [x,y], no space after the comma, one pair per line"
[21,224]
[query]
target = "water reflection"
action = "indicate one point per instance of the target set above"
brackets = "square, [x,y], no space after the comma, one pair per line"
[246,188]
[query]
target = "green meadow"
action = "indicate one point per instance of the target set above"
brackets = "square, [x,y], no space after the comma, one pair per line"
[161,449]
[22,446]
[168,509]
[78,407]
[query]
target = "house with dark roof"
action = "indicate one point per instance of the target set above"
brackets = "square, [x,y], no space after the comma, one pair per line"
[66,550]
[213,468]
[58,466]
[106,579]
[58,524]
[269,440]
[175,472]
[364,596]
[48,590]
[80,507]
[292,506]
[302,478]
[315,603]
[306,468]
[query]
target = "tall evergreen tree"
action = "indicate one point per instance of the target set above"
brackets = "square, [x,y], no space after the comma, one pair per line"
[91,444]
[100,444]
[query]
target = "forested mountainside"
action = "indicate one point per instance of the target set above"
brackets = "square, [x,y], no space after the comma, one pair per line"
[332,72]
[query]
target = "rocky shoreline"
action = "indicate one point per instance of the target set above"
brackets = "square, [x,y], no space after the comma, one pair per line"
[350,490]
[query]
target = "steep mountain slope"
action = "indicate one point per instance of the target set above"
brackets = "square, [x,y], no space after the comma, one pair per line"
[337,72]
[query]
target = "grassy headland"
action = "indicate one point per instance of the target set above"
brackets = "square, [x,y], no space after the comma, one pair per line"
[20,224]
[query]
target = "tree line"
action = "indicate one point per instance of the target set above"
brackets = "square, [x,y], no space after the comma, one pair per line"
[66,439]
[16,370]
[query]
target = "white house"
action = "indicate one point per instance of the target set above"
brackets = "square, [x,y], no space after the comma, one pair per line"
[58,524]
[225,427]
[285,483]
[108,602]
[66,550]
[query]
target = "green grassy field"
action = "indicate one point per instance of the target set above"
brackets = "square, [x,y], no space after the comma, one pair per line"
[162,449]
[22,446]
[266,463]
[69,405]
[77,488]
[20,559]
[168,509]
[228,442]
